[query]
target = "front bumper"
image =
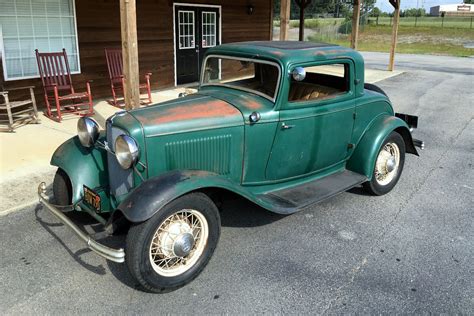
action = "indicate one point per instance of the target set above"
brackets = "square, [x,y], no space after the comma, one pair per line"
[116,255]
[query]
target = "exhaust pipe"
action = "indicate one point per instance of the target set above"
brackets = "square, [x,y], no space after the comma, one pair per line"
[419,143]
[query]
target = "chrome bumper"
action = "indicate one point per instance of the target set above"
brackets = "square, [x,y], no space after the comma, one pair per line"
[116,255]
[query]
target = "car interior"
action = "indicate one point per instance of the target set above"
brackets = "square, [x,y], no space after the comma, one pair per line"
[321,82]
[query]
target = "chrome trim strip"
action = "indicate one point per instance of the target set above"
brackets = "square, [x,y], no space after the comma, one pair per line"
[261,61]
[116,255]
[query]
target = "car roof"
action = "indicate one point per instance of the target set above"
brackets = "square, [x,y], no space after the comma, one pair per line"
[287,51]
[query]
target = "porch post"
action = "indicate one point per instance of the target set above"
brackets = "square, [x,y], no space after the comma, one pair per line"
[396,20]
[128,21]
[302,4]
[355,23]
[284,19]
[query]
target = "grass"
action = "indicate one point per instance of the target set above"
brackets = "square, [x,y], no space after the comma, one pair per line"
[313,23]
[419,40]
[429,21]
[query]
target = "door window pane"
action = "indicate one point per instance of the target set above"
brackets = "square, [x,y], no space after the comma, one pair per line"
[26,25]
[186,29]
[209,33]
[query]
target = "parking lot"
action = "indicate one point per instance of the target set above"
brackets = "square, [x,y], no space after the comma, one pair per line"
[410,251]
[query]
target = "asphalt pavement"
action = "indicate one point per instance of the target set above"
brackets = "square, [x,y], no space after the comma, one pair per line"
[410,251]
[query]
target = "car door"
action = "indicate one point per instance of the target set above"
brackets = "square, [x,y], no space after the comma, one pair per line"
[316,122]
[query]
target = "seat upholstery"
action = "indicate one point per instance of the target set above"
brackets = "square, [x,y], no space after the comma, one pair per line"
[303,91]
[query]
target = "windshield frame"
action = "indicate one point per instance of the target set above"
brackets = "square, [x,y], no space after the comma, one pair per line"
[262,61]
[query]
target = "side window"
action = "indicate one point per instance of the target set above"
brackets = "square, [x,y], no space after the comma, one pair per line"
[321,82]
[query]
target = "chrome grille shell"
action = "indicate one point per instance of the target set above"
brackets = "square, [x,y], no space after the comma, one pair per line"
[120,180]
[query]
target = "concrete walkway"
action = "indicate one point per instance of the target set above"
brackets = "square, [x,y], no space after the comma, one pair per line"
[25,154]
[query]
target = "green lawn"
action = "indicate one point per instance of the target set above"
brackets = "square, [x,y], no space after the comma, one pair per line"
[429,21]
[415,40]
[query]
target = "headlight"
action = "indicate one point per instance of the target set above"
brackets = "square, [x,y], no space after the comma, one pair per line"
[126,151]
[88,131]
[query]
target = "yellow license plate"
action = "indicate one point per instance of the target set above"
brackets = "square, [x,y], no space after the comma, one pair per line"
[92,199]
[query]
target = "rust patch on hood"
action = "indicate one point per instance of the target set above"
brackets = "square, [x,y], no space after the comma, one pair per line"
[191,111]
[251,105]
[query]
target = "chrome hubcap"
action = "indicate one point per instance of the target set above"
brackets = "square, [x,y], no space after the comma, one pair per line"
[390,164]
[183,245]
[387,164]
[179,242]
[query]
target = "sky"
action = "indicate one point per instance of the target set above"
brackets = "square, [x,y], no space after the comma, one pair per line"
[384,5]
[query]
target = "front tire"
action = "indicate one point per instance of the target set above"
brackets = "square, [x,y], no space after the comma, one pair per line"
[388,166]
[62,188]
[171,248]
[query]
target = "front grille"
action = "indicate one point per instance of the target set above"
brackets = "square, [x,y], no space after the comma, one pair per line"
[120,180]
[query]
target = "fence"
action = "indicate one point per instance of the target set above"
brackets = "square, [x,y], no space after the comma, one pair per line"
[427,21]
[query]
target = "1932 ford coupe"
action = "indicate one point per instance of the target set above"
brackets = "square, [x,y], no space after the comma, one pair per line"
[282,124]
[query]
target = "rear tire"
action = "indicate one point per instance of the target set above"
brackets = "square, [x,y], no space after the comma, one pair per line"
[171,248]
[388,165]
[62,188]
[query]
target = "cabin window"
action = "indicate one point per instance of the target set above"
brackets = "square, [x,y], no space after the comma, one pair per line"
[321,82]
[26,25]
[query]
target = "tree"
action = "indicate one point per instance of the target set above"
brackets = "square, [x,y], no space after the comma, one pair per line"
[469,1]
[375,12]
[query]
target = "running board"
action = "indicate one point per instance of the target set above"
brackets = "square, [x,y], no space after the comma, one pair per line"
[291,200]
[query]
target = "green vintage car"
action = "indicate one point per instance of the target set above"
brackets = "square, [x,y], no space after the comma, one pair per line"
[282,124]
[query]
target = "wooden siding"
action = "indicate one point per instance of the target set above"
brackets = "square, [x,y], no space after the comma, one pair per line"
[98,26]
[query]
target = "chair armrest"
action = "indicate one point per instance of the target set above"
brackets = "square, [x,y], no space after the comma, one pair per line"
[21,88]
[3,93]
[148,74]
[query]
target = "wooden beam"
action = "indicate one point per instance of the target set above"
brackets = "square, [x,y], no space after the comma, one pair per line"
[285,8]
[128,21]
[302,4]
[396,20]
[355,23]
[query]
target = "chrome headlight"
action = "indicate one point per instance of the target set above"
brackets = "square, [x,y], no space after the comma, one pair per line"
[87,131]
[126,151]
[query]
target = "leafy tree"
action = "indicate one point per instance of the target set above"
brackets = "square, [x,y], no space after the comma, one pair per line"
[375,12]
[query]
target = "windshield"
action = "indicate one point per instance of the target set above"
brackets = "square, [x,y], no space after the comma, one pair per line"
[259,77]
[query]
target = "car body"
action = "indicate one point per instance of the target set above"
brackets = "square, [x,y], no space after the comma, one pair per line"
[283,124]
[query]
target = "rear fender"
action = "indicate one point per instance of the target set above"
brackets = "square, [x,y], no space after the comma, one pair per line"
[84,166]
[150,196]
[365,154]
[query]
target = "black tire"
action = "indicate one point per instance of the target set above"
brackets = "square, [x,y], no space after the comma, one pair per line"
[62,188]
[140,236]
[373,186]
[372,87]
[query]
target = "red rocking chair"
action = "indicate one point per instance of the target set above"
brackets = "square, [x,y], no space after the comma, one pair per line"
[58,90]
[115,67]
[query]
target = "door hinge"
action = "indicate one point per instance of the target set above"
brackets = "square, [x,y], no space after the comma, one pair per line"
[350,146]
[354,115]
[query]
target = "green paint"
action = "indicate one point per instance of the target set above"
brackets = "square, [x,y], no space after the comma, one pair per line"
[209,138]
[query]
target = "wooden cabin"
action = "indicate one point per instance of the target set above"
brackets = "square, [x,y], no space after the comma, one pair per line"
[172,37]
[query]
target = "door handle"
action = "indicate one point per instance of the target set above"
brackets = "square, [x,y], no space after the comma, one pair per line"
[284,126]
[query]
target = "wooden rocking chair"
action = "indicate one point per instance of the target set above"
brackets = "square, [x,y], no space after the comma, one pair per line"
[115,67]
[57,85]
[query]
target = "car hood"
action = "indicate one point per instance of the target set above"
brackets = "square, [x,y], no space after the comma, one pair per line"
[190,113]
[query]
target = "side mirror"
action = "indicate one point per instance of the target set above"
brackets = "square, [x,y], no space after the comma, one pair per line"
[299,73]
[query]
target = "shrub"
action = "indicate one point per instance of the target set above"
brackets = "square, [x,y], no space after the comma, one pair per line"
[345,27]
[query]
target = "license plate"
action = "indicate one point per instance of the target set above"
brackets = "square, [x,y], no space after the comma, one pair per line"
[92,199]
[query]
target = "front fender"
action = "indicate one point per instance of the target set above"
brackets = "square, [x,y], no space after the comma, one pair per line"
[365,154]
[83,166]
[150,196]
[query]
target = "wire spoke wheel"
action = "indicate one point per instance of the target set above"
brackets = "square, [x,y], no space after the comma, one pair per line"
[388,161]
[178,242]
